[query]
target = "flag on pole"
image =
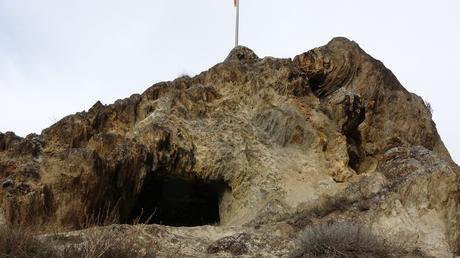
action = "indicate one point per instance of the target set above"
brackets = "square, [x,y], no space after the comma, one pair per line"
[237,5]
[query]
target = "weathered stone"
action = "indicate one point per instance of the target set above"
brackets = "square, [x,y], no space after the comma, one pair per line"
[271,144]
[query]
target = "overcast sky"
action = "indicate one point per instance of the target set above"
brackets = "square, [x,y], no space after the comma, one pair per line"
[60,57]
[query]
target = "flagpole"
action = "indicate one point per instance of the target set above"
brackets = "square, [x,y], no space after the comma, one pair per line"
[237,22]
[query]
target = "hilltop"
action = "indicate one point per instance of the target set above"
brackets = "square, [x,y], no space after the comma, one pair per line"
[244,159]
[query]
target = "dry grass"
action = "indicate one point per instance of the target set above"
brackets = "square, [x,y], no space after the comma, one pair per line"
[19,241]
[110,215]
[102,243]
[23,241]
[107,215]
[343,240]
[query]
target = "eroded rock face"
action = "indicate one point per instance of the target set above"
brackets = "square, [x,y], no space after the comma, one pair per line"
[276,139]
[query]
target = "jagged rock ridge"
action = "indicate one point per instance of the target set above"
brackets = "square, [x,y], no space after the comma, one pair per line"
[260,141]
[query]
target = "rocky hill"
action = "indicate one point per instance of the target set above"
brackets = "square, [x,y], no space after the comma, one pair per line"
[241,159]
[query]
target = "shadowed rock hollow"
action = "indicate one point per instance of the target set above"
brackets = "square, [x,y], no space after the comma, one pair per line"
[252,150]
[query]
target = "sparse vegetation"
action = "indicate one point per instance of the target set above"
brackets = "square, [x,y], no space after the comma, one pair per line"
[107,215]
[428,106]
[102,243]
[21,241]
[342,240]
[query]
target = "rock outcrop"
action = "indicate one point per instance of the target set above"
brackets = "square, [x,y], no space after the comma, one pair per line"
[269,145]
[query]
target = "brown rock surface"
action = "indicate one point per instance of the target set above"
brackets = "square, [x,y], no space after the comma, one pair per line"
[276,144]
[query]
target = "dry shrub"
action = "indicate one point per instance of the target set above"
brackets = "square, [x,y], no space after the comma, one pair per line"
[342,240]
[19,241]
[104,243]
[24,241]
[110,215]
[107,215]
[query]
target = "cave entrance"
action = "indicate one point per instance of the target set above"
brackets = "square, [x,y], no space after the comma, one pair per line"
[178,202]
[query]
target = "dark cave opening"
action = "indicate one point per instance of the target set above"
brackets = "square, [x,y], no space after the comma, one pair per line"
[174,201]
